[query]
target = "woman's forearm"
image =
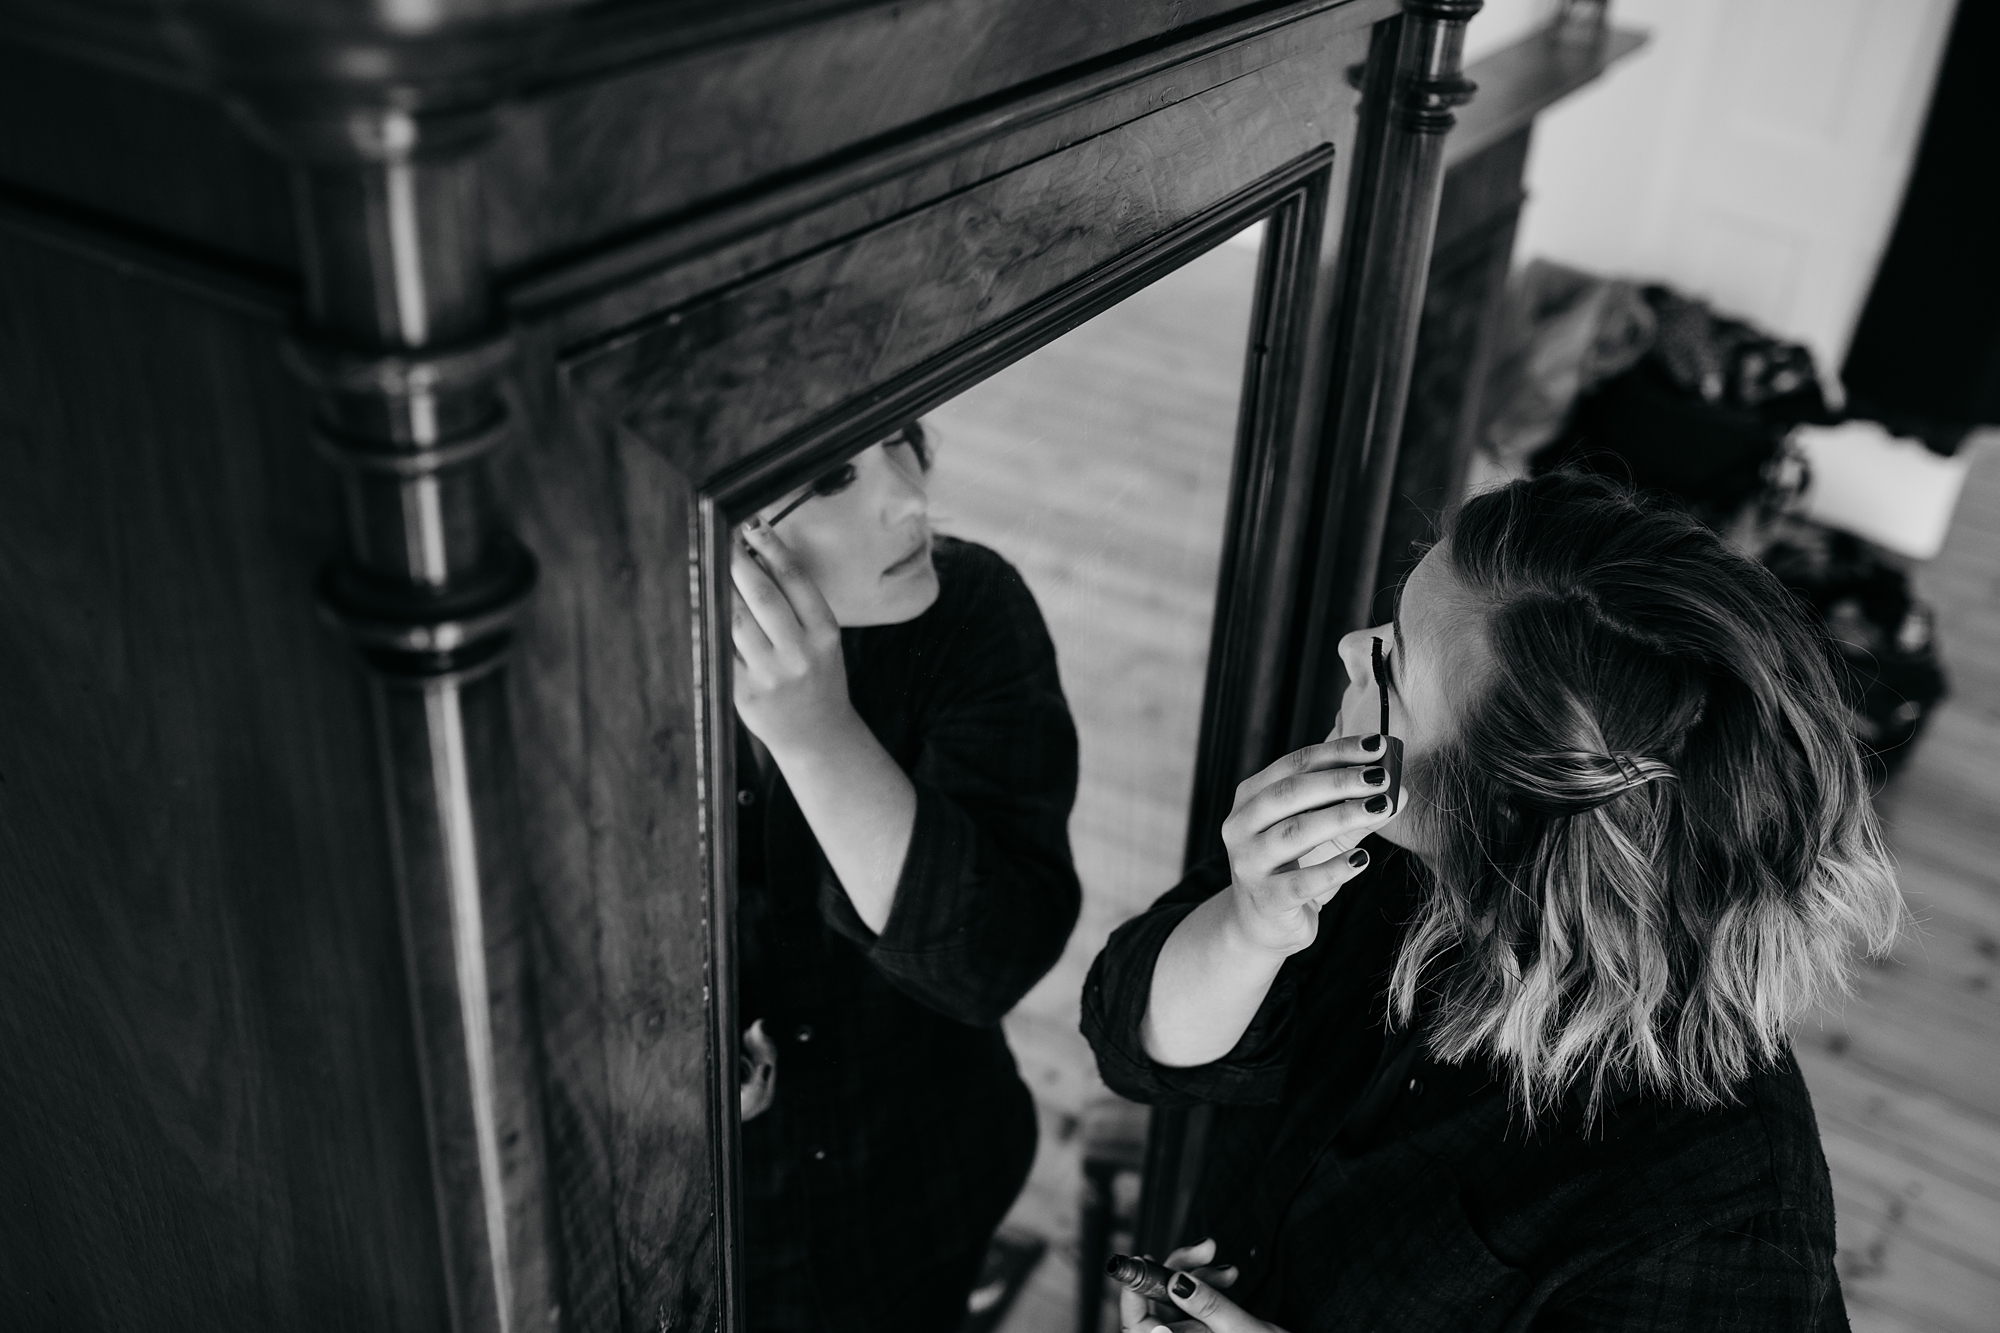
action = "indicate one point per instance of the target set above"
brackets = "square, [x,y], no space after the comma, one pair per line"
[1207,985]
[861,807]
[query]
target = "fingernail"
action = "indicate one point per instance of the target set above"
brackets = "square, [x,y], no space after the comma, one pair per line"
[1375,805]
[1371,743]
[756,523]
[1359,858]
[1374,777]
[1183,1286]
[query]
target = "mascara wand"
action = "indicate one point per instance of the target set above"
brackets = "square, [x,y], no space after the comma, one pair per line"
[1392,746]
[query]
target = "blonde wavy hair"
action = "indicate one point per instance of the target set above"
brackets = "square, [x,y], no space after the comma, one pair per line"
[1651,843]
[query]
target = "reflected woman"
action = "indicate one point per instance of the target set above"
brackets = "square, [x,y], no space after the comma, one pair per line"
[907,764]
[1515,1056]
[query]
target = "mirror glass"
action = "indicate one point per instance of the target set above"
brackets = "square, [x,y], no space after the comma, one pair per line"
[968,680]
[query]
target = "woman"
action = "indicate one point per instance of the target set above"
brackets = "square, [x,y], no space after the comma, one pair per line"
[1515,1056]
[907,765]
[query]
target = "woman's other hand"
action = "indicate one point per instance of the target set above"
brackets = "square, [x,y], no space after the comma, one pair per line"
[1327,796]
[791,682]
[1136,1314]
[757,1070]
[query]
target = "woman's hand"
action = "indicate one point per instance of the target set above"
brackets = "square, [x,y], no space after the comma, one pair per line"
[1212,1311]
[757,1071]
[791,682]
[1310,801]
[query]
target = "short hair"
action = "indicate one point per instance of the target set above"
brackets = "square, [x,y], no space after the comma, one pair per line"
[1653,848]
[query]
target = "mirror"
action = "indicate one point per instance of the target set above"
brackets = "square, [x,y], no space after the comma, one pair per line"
[969,675]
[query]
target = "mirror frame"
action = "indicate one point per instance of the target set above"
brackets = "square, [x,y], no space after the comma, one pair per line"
[1271,500]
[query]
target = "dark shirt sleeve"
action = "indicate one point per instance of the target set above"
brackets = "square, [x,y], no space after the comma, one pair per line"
[1119,988]
[988,894]
[1769,1272]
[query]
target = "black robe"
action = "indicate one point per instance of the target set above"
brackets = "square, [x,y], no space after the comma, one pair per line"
[901,1132]
[1362,1185]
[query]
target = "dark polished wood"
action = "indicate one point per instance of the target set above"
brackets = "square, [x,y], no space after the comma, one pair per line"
[407,373]
[400,996]
[209,1087]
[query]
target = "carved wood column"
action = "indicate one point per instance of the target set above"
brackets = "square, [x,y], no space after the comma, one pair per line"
[406,359]
[1409,109]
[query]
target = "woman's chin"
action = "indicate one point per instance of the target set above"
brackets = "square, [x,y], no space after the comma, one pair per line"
[894,601]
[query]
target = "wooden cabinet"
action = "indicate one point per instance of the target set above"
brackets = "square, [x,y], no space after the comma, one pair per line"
[379,383]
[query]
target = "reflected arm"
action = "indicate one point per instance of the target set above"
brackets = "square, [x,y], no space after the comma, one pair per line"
[987,893]
[862,809]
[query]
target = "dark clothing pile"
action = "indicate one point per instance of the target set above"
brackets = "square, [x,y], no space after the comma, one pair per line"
[1361,1184]
[900,1131]
[1885,637]
[1659,390]
[1701,416]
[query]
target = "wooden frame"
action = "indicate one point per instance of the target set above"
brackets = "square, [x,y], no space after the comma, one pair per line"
[1292,202]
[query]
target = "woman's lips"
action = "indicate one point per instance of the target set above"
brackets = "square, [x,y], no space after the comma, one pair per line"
[920,549]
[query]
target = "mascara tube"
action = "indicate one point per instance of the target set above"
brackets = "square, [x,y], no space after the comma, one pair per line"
[1141,1275]
[1392,746]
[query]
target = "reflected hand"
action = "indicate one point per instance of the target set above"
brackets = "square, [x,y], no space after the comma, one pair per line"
[791,682]
[1311,800]
[1136,1314]
[757,1070]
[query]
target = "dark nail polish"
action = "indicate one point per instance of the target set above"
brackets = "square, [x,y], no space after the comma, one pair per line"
[1183,1285]
[1374,777]
[1375,805]
[1371,743]
[1358,858]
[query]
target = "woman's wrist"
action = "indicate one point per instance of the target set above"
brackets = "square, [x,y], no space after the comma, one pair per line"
[831,739]
[1208,981]
[1253,933]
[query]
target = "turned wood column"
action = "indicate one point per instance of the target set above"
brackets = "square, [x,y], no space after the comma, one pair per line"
[1408,105]
[407,359]
[1409,84]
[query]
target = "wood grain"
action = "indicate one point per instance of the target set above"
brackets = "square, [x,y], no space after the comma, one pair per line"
[581,162]
[1903,1075]
[857,315]
[155,156]
[605,703]
[209,1094]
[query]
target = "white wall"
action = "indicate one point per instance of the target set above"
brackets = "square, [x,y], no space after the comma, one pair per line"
[1753,153]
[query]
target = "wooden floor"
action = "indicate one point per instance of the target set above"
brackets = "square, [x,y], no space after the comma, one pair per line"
[1906,1075]
[1098,466]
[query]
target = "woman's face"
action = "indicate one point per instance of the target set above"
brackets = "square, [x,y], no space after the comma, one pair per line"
[1433,653]
[867,545]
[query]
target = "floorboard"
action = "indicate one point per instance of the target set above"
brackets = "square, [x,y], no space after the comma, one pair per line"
[1905,1075]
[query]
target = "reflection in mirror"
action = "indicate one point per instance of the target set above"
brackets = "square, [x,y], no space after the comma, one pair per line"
[968,681]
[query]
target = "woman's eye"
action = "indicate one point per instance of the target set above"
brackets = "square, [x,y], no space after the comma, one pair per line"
[836,481]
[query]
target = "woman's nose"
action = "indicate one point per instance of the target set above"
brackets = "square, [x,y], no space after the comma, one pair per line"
[1355,649]
[1357,653]
[905,496]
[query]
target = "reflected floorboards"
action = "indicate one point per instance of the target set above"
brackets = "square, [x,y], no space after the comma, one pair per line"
[1100,468]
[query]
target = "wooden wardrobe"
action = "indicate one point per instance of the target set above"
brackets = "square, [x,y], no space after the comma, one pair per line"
[378,380]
